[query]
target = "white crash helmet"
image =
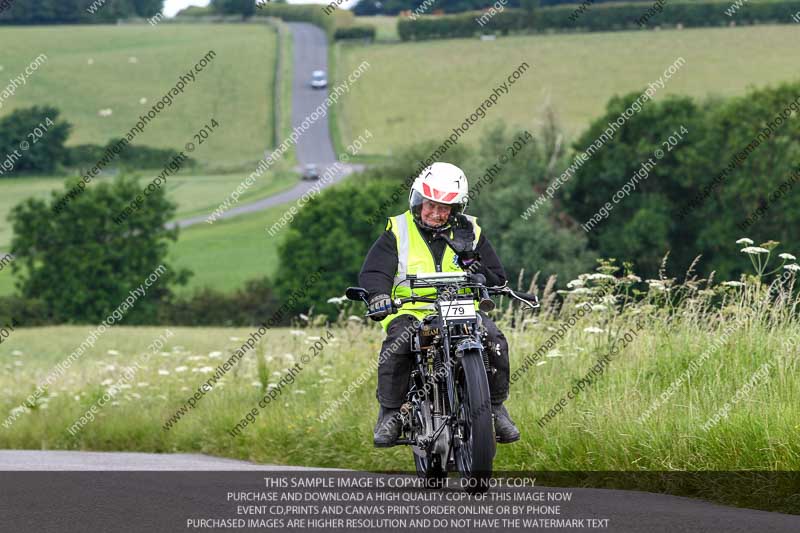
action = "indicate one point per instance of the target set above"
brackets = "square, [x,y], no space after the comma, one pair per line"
[443,183]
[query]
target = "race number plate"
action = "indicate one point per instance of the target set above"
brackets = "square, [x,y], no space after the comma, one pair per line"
[458,310]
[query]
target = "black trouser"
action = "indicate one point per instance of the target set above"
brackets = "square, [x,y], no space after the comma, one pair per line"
[395,361]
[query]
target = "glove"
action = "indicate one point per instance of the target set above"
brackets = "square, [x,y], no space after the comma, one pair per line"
[379,307]
[470,261]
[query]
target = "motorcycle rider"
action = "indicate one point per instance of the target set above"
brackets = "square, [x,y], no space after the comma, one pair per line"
[416,241]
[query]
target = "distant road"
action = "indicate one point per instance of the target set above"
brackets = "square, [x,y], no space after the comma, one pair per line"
[314,145]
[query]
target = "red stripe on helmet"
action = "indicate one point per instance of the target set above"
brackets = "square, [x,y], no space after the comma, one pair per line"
[450,196]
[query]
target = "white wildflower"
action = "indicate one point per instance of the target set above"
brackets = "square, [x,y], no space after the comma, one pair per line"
[107,112]
[196,358]
[297,332]
[593,329]
[276,374]
[16,353]
[142,100]
[90,61]
[540,363]
[110,368]
[136,395]
[299,391]
[753,250]
[744,240]
[354,318]
[733,284]
[599,307]
[303,317]
[337,300]
[107,382]
[133,60]
[272,386]
[788,257]
[634,278]
[598,275]
[235,338]
[794,267]
[206,369]
[255,383]
[575,283]
[182,369]
[314,338]
[289,356]
[112,352]
[215,355]
[77,397]
[581,290]
[163,372]
[143,384]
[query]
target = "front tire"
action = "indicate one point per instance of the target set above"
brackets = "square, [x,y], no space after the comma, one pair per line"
[476,450]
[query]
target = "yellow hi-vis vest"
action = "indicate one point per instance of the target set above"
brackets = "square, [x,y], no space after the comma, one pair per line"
[414,256]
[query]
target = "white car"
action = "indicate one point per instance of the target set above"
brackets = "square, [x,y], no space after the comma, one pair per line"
[319,79]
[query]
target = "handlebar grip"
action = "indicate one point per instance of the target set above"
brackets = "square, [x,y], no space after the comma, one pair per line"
[527,296]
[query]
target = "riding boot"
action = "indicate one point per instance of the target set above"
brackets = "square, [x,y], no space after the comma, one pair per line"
[387,428]
[504,427]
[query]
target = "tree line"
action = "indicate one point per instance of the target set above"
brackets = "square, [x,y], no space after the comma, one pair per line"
[27,12]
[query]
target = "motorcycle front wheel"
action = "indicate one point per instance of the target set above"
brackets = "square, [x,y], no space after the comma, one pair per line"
[475,449]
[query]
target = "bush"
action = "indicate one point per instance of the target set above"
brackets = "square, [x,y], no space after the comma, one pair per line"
[360,31]
[132,157]
[312,13]
[248,306]
[39,129]
[696,198]
[610,17]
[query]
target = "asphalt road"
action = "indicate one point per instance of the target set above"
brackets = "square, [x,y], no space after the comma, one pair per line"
[106,491]
[314,145]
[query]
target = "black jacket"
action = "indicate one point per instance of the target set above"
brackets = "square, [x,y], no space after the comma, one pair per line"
[377,272]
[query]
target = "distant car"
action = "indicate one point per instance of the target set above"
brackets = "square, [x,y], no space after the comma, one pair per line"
[318,79]
[310,172]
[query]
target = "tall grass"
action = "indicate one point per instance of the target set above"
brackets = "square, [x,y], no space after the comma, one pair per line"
[602,428]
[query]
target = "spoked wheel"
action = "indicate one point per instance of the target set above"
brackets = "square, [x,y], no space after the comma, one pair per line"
[476,449]
[429,465]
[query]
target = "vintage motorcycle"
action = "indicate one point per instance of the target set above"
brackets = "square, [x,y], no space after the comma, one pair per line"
[447,416]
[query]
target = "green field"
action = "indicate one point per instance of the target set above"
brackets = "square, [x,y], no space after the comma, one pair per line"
[422,90]
[236,88]
[226,254]
[222,255]
[600,429]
